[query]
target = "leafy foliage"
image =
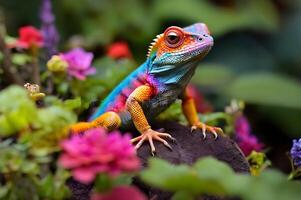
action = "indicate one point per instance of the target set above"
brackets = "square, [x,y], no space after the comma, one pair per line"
[17,111]
[38,132]
[24,176]
[267,89]
[209,176]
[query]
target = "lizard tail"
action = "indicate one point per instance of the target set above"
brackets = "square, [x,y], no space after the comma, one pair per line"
[108,120]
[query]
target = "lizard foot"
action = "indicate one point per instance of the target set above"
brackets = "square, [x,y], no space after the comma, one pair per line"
[150,135]
[204,127]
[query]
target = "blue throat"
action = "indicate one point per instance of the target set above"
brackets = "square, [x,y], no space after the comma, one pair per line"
[173,74]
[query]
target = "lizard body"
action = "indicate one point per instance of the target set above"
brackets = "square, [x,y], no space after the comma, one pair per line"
[155,85]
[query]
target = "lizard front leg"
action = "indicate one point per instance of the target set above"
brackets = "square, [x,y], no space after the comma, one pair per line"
[139,95]
[189,110]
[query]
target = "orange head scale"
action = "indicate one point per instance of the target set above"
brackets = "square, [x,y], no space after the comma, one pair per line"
[175,53]
[177,44]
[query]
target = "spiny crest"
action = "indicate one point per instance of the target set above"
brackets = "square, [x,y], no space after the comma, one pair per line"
[153,45]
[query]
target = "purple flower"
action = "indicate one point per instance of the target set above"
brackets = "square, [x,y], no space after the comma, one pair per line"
[48,29]
[79,63]
[246,141]
[296,152]
[98,152]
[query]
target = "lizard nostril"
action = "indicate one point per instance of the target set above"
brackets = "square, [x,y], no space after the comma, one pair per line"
[205,35]
[200,38]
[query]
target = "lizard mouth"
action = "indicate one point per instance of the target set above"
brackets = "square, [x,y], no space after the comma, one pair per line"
[195,52]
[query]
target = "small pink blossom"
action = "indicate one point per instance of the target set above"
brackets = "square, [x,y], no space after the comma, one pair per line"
[121,193]
[79,63]
[246,141]
[98,152]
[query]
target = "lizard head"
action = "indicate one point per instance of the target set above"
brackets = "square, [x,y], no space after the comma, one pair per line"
[177,46]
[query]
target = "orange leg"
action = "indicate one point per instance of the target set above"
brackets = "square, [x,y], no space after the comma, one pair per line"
[139,95]
[189,110]
[108,120]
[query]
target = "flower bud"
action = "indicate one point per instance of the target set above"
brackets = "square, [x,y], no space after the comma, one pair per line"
[57,64]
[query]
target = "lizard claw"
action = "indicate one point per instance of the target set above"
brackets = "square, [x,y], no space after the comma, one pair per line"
[214,130]
[214,133]
[151,135]
[193,128]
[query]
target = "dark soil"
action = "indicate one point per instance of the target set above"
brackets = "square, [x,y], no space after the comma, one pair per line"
[188,148]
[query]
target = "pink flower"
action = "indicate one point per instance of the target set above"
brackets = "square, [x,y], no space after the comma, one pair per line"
[121,193]
[79,63]
[29,37]
[201,104]
[119,50]
[242,126]
[246,141]
[98,152]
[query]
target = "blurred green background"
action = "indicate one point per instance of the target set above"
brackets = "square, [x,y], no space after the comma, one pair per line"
[256,56]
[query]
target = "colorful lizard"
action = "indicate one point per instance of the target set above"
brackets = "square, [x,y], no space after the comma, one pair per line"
[155,85]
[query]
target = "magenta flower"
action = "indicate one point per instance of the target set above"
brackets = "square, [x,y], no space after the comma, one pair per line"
[98,152]
[121,193]
[242,126]
[79,63]
[246,141]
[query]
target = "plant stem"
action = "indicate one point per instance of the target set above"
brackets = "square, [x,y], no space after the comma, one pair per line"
[10,72]
[50,85]
[35,65]
[291,176]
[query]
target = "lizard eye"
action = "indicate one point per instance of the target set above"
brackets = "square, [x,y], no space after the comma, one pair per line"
[174,36]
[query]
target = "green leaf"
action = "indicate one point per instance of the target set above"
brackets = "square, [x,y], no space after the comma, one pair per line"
[3,191]
[174,112]
[122,179]
[178,178]
[266,89]
[72,104]
[53,186]
[210,176]
[20,59]
[182,196]
[103,183]
[212,118]
[212,75]
[46,186]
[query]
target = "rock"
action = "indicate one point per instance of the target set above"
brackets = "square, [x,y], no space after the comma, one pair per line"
[188,148]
